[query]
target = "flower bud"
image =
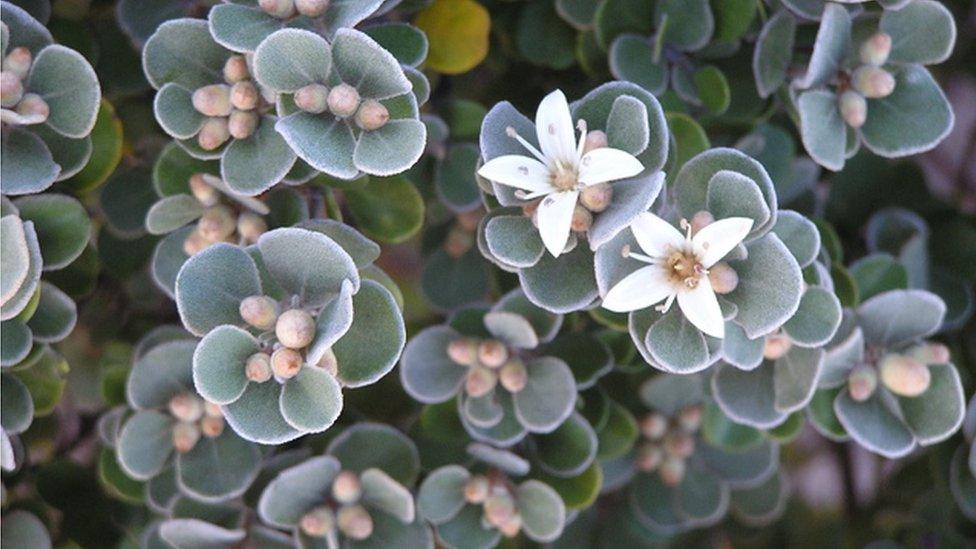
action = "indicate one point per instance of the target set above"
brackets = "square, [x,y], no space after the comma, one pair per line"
[853,108]
[723,278]
[700,220]
[285,362]
[654,426]
[904,375]
[212,427]
[468,221]
[329,362]
[212,409]
[343,100]
[313,98]
[251,226]
[11,89]
[875,50]
[492,353]
[186,407]
[513,376]
[244,95]
[18,62]
[257,367]
[690,418]
[476,489]
[499,509]
[679,444]
[311,8]
[242,124]
[672,471]
[185,436]
[530,210]
[463,351]
[862,382]
[511,527]
[595,139]
[596,198]
[34,105]
[480,381]
[235,69]
[649,457]
[346,488]
[318,523]
[930,353]
[213,133]
[372,115]
[458,242]
[212,100]
[195,243]
[354,521]
[259,311]
[582,219]
[203,191]
[282,9]
[776,346]
[217,223]
[295,328]
[873,82]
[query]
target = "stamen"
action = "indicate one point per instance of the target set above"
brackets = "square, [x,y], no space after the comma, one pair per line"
[581,125]
[522,195]
[510,131]
[687,228]
[641,257]
[625,251]
[663,308]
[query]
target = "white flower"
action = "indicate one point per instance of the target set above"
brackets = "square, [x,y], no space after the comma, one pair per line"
[678,269]
[559,171]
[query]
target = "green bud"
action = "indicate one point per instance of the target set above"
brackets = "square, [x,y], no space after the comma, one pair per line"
[257,368]
[185,436]
[242,124]
[596,198]
[203,191]
[18,62]
[11,89]
[354,522]
[492,353]
[311,8]
[480,381]
[295,328]
[862,382]
[873,82]
[244,95]
[286,363]
[318,523]
[343,100]
[235,69]
[313,98]
[282,9]
[904,375]
[259,311]
[875,50]
[513,376]
[212,100]
[853,108]
[186,407]
[213,134]
[723,278]
[346,488]
[217,223]
[372,115]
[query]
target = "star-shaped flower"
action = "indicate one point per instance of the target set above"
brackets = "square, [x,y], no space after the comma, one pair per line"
[559,171]
[678,269]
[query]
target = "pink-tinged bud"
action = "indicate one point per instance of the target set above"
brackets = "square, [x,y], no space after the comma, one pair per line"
[311,8]
[511,527]
[329,362]
[295,328]
[214,133]
[776,346]
[343,100]
[372,115]
[873,82]
[318,523]
[251,226]
[18,62]
[723,278]
[904,375]
[235,69]
[217,223]
[875,50]
[244,95]
[492,353]
[596,198]
[531,209]
[595,139]
[195,243]
[700,220]
[257,367]
[513,376]
[212,427]
[930,353]
[468,221]
[582,219]
[11,89]
[679,444]
[853,108]
[690,418]
[672,471]
[463,351]
[649,457]
[34,105]
[185,436]
[499,509]
[313,98]
[242,124]
[212,409]
[346,488]
[862,382]
[354,522]
[458,242]
[259,311]
[186,407]
[282,9]
[480,381]
[286,363]
[654,426]
[476,489]
[212,100]
[203,191]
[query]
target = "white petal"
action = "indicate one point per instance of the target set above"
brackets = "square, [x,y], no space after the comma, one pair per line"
[654,234]
[717,239]
[606,164]
[555,216]
[700,307]
[517,171]
[638,290]
[554,128]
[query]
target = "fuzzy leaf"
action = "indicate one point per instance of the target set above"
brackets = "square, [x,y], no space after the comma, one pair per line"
[913,119]
[297,490]
[65,80]
[441,494]
[145,444]
[548,397]
[922,31]
[211,285]
[292,58]
[218,363]
[253,165]
[218,468]
[873,425]
[770,286]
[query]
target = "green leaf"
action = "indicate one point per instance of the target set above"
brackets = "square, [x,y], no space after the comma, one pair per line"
[406,42]
[458,31]
[173,212]
[359,60]
[312,400]
[816,320]
[923,32]
[182,51]
[382,492]
[219,468]
[297,490]
[570,449]
[374,341]
[325,142]
[219,361]
[883,320]
[145,444]
[374,445]
[17,406]
[713,89]
[387,209]
[770,286]
[832,45]
[306,264]
[21,528]
[211,285]
[548,397]
[514,240]
[106,139]
[29,168]
[732,18]
[878,273]
[873,425]
[913,119]
[821,128]
[241,28]
[292,58]
[937,413]
[391,149]
[174,110]
[256,415]
[55,316]
[253,165]
[544,38]
[454,178]
[65,80]
[542,510]
[441,494]
[632,58]
[62,226]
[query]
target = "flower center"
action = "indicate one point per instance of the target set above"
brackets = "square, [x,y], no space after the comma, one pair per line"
[564,179]
[683,267]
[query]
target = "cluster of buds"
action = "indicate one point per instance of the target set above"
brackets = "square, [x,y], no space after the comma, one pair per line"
[286,9]
[220,222]
[905,374]
[461,236]
[194,417]
[668,443]
[31,108]
[343,101]
[499,509]
[294,330]
[868,81]
[232,108]
[489,363]
[344,513]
